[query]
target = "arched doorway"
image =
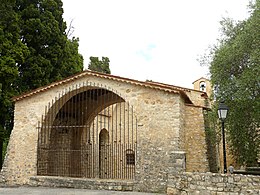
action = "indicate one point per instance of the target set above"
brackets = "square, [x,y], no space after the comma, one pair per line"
[104,156]
[85,133]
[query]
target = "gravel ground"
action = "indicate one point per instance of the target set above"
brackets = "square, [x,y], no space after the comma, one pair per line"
[62,191]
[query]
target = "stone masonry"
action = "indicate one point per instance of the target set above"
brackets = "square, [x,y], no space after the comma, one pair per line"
[171,135]
[212,183]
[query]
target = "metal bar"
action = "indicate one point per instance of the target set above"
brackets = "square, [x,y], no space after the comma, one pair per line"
[43,128]
[53,114]
[105,126]
[93,135]
[80,129]
[67,121]
[48,119]
[120,123]
[107,136]
[126,160]
[132,122]
[120,161]
[38,148]
[84,142]
[124,123]
[132,134]
[128,123]
[97,136]
[136,131]
[68,145]
[74,138]
[100,98]
[112,137]
[65,126]
[57,133]
[109,141]
[48,133]
[116,121]
[59,110]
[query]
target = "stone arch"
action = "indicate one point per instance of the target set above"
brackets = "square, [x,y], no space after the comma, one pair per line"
[69,142]
[54,106]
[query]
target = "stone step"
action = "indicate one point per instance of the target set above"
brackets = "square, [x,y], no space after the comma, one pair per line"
[84,183]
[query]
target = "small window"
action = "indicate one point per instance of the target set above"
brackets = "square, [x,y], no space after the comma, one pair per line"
[130,157]
[202,86]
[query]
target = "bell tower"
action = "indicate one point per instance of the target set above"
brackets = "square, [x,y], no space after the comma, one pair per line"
[204,85]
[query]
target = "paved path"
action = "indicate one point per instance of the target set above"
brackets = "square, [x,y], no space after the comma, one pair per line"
[62,191]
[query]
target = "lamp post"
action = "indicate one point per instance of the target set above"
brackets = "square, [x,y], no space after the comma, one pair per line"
[222,115]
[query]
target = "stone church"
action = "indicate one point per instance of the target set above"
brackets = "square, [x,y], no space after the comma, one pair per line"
[95,127]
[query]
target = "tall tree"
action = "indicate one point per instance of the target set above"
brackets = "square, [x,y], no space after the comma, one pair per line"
[72,62]
[235,74]
[52,55]
[12,52]
[34,51]
[99,65]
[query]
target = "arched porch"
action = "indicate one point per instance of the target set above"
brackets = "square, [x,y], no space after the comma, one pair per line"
[87,131]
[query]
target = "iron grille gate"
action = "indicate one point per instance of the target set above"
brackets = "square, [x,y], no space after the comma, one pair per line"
[87,131]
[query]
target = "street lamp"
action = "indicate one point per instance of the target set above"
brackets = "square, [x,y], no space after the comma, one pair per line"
[222,114]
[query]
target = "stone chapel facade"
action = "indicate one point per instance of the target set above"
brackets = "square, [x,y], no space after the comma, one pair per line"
[96,126]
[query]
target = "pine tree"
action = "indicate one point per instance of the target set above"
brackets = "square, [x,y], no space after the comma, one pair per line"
[34,51]
[12,52]
[52,55]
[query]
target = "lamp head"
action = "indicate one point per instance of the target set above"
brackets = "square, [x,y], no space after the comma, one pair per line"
[222,111]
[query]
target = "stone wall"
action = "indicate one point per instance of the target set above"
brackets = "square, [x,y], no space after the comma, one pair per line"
[159,127]
[158,132]
[21,158]
[195,140]
[212,183]
[94,184]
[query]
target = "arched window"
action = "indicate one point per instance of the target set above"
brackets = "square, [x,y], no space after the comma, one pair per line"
[130,157]
[203,86]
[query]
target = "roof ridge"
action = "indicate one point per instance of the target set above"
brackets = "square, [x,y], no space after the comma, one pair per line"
[154,85]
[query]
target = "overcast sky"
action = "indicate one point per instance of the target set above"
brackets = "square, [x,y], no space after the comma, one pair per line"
[159,40]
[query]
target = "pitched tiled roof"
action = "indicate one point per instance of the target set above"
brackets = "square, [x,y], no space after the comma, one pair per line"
[153,85]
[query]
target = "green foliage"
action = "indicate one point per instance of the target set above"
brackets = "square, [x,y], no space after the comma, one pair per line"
[235,75]
[212,138]
[12,52]
[52,55]
[34,51]
[99,65]
[72,62]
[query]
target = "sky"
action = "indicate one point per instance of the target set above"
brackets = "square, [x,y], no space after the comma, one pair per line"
[158,40]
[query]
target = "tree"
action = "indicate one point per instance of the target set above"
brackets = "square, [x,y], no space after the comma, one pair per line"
[72,61]
[52,55]
[235,75]
[34,51]
[12,52]
[99,65]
